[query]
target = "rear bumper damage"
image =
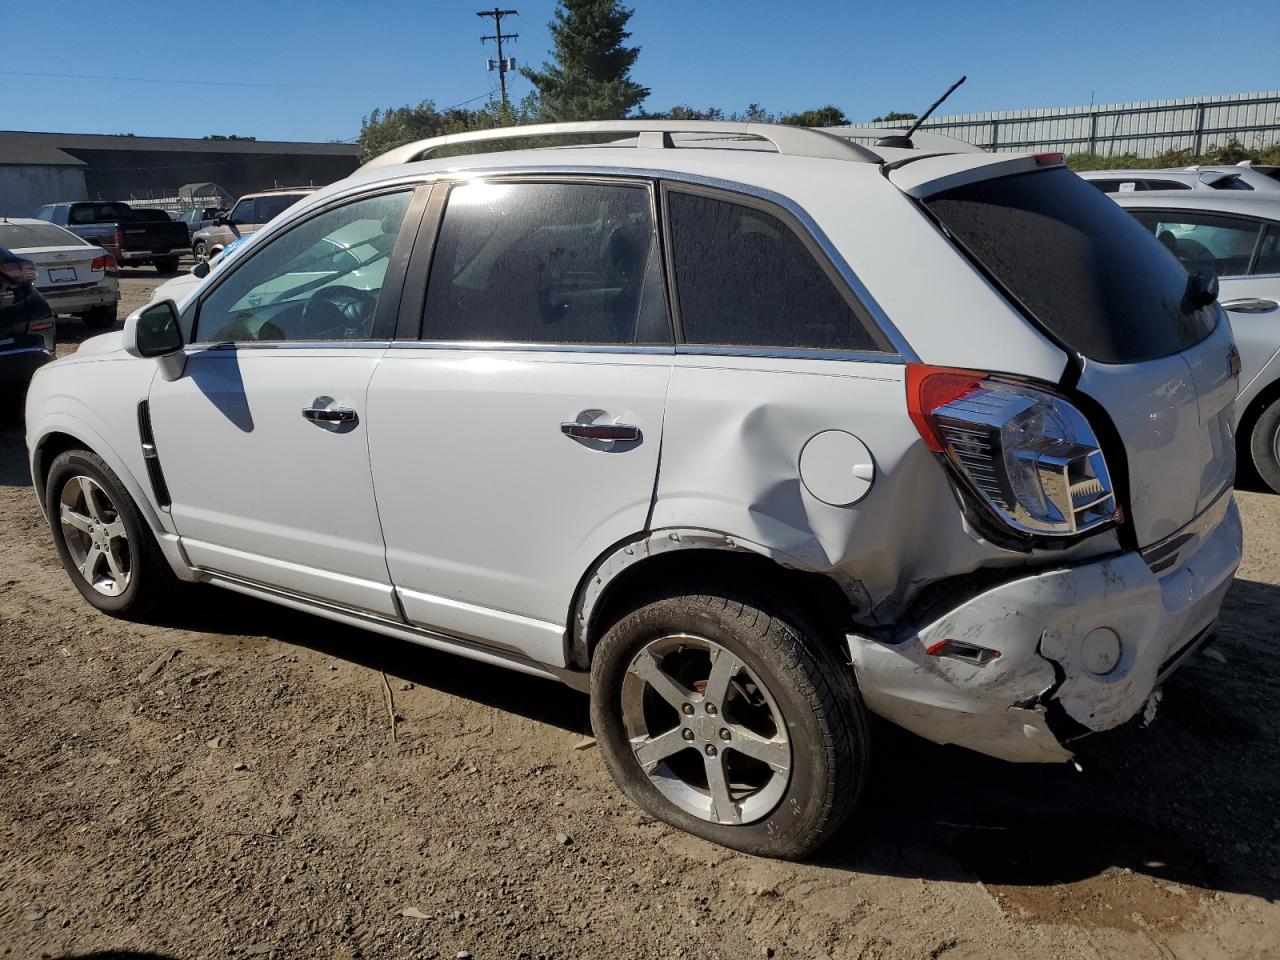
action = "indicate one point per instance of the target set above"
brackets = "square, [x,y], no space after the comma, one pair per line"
[1081,649]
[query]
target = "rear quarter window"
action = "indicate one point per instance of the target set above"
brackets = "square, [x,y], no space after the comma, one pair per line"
[1076,263]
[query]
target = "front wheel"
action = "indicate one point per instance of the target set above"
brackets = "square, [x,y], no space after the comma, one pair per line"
[731,721]
[1264,445]
[103,541]
[200,251]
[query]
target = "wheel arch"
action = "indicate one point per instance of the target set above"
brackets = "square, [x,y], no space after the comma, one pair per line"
[646,565]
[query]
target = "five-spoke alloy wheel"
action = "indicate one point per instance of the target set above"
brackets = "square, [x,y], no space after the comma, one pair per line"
[730,720]
[102,539]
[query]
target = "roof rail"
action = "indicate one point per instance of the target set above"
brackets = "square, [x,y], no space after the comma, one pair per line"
[791,141]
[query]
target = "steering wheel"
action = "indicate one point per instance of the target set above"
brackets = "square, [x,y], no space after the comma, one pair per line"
[338,312]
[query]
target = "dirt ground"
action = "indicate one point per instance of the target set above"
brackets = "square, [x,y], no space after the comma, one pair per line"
[228,783]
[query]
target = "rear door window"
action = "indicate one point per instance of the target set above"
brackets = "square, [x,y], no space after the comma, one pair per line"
[1076,263]
[1204,241]
[243,213]
[547,263]
[268,208]
[744,277]
[1269,253]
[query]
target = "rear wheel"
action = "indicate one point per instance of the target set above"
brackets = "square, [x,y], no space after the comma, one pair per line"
[103,541]
[730,721]
[166,264]
[1264,445]
[100,318]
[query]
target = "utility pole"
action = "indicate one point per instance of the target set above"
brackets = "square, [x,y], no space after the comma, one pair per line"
[503,64]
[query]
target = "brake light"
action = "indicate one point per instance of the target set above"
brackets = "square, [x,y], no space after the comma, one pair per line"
[1029,455]
[20,272]
[39,325]
[1048,159]
[105,263]
[118,239]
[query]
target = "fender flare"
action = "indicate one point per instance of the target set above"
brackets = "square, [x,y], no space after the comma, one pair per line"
[93,441]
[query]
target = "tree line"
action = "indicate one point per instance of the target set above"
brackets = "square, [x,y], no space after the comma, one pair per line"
[588,78]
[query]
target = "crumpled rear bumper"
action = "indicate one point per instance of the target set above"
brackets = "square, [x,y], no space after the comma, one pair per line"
[1023,704]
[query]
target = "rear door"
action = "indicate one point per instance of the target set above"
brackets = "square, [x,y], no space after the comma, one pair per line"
[518,439]
[1100,285]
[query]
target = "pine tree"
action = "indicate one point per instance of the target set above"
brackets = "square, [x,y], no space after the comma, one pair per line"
[590,78]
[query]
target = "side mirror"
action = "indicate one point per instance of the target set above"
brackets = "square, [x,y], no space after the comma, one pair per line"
[201,269]
[1202,289]
[153,331]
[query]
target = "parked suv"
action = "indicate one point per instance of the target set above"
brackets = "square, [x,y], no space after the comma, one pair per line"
[748,444]
[250,214]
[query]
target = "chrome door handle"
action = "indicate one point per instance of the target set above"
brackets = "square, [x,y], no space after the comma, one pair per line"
[329,415]
[600,431]
[1251,305]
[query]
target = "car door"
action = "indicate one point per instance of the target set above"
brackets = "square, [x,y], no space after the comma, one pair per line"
[263,439]
[1243,253]
[518,439]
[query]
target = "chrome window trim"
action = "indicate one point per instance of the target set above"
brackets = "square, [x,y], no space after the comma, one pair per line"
[235,346]
[904,351]
[788,353]
[517,346]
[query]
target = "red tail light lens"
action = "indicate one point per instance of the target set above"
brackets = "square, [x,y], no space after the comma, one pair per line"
[118,239]
[39,325]
[105,263]
[1029,455]
[19,272]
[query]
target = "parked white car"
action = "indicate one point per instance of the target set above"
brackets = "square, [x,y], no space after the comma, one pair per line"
[746,443]
[1242,177]
[1235,236]
[72,275]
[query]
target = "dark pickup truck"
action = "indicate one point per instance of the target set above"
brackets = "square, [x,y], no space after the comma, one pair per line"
[133,237]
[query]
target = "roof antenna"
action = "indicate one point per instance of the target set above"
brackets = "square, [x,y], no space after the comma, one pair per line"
[904,139]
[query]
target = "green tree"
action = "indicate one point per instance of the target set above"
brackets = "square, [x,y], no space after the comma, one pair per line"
[234,136]
[590,78]
[892,116]
[827,116]
[384,130]
[682,111]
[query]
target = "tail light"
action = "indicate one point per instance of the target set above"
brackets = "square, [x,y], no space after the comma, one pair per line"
[106,263]
[20,272]
[37,326]
[118,239]
[1028,454]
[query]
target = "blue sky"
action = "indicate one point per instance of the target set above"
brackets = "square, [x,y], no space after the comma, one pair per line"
[310,69]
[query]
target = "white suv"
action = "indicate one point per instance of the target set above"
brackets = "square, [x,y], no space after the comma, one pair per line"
[750,431]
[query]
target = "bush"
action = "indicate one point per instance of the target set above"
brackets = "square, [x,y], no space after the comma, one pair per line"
[1231,152]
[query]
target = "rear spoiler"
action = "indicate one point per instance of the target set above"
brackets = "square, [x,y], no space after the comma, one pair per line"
[936,173]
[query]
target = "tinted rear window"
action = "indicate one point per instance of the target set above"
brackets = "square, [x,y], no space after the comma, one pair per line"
[1077,264]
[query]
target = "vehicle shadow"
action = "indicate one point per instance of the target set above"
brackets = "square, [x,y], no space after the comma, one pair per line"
[1189,800]
[211,610]
[114,955]
[14,468]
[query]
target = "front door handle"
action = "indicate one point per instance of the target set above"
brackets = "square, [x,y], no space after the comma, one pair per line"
[329,415]
[600,431]
[1251,305]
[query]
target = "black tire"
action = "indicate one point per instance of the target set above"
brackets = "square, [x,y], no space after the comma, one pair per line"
[200,251]
[1264,445]
[150,577]
[824,718]
[166,264]
[100,318]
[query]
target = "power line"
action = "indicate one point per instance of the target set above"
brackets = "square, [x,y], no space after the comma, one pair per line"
[204,83]
[503,64]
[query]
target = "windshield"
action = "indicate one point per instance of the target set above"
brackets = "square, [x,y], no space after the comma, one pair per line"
[1077,264]
[19,236]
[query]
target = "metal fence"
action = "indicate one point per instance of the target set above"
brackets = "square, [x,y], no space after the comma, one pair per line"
[1147,129]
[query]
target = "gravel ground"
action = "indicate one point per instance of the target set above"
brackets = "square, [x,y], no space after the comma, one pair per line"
[229,783]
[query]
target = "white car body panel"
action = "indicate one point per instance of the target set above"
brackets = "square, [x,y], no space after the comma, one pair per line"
[258,491]
[491,513]
[455,512]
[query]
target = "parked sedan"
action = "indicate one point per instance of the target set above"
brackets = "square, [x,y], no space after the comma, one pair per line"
[26,324]
[1236,235]
[74,276]
[1239,177]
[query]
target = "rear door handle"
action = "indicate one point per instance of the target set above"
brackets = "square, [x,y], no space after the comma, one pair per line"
[1251,305]
[600,431]
[329,415]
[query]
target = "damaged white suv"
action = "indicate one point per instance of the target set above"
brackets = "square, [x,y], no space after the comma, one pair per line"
[749,430]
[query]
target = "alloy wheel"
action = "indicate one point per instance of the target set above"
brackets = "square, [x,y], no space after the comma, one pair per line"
[95,535]
[705,730]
